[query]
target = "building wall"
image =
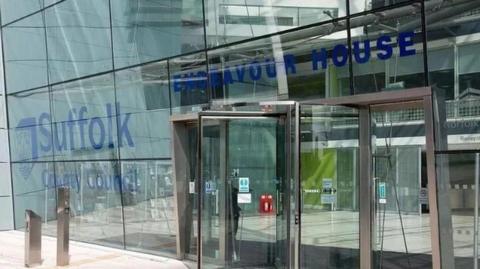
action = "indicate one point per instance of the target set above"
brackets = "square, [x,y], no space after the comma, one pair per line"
[6,199]
[91,85]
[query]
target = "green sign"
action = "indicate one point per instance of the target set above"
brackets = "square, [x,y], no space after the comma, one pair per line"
[382,193]
[244,184]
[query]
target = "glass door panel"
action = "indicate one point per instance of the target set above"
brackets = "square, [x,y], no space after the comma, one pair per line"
[192,205]
[401,236]
[462,190]
[243,163]
[329,187]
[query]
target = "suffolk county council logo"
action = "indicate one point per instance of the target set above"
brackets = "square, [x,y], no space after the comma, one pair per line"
[36,137]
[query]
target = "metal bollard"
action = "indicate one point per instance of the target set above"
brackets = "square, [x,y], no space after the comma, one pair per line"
[63,226]
[33,239]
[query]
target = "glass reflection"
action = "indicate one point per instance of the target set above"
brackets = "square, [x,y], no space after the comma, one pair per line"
[243,224]
[143,97]
[329,187]
[402,232]
[78,37]
[147,30]
[357,6]
[149,206]
[20,58]
[30,126]
[95,200]
[34,189]
[189,89]
[387,51]
[13,10]
[85,121]
[461,183]
[231,21]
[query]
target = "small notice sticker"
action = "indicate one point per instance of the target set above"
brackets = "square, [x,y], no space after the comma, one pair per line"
[192,187]
[244,198]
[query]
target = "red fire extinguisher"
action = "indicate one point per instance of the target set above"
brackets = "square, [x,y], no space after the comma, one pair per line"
[266,203]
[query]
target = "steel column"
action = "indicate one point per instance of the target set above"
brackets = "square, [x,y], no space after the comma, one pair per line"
[63,226]
[432,182]
[366,190]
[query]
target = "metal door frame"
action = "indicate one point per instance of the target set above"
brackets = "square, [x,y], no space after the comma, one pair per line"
[181,173]
[288,108]
[386,100]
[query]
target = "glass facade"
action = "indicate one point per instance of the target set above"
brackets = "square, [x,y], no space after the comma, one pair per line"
[91,86]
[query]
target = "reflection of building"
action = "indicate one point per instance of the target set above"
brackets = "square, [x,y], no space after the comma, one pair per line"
[356,121]
[237,20]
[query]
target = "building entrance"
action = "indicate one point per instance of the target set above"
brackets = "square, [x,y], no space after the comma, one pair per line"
[329,183]
[243,189]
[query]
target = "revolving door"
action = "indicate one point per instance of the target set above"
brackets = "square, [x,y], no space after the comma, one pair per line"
[347,182]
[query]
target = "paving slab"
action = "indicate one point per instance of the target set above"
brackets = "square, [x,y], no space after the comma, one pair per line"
[82,255]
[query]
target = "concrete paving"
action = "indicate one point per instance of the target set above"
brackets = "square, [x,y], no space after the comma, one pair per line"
[82,255]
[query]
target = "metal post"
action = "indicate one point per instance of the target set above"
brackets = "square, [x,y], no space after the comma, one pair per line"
[224,254]
[297,259]
[33,239]
[475,221]
[366,188]
[439,208]
[63,226]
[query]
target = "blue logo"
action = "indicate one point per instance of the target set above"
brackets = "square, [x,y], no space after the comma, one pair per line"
[37,139]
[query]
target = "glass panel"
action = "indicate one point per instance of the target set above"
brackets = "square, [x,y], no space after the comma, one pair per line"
[13,10]
[51,2]
[147,30]
[249,76]
[461,190]
[387,51]
[309,63]
[233,21]
[149,206]
[85,121]
[25,53]
[78,36]
[357,6]
[143,98]
[441,71]
[213,185]
[455,27]
[459,103]
[5,182]
[6,211]
[243,222]
[401,235]
[30,126]
[188,83]
[329,187]
[95,205]
[34,189]
[3,114]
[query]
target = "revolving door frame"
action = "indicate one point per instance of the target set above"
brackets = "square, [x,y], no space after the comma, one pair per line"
[388,100]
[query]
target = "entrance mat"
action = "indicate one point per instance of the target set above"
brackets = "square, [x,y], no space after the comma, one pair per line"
[253,254]
[150,242]
[249,254]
